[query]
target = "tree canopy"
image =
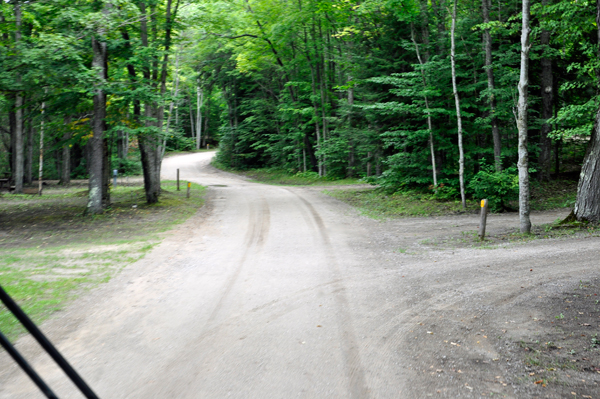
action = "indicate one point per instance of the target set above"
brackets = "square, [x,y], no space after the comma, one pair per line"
[335,88]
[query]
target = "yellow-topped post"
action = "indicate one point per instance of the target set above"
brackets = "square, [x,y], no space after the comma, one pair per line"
[483,220]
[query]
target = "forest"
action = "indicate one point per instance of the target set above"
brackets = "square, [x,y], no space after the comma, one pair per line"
[463,99]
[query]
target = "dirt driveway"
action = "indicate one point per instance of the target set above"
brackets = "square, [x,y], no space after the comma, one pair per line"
[277,292]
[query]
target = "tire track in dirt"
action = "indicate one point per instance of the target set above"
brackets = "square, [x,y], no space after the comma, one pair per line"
[259,222]
[418,325]
[355,374]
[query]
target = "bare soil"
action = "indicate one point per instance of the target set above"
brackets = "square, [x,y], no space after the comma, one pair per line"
[285,292]
[57,217]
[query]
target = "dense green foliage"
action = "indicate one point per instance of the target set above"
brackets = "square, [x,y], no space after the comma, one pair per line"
[498,187]
[47,61]
[333,87]
[338,88]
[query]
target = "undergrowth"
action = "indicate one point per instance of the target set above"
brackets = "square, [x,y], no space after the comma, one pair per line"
[379,205]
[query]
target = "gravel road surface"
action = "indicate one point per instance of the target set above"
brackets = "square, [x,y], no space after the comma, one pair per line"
[283,292]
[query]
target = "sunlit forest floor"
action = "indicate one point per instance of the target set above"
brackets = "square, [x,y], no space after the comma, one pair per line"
[50,251]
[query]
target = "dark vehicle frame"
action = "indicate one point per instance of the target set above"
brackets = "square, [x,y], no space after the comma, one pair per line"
[48,347]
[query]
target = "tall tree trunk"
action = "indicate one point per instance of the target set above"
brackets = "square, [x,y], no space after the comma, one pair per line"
[351,158]
[199,98]
[41,161]
[487,43]
[191,118]
[150,150]
[587,206]
[319,142]
[106,172]
[311,152]
[149,141]
[12,125]
[96,142]
[123,137]
[461,154]
[121,150]
[206,119]
[319,74]
[151,145]
[29,154]
[19,158]
[65,176]
[315,107]
[523,163]
[598,42]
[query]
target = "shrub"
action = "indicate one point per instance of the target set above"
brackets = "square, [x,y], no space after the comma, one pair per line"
[497,187]
[309,174]
[444,192]
[127,167]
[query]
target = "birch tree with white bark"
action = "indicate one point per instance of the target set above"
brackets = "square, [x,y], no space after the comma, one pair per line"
[461,153]
[522,106]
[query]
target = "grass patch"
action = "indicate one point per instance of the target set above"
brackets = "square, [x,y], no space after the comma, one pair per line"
[554,230]
[376,204]
[379,205]
[39,299]
[50,252]
[57,216]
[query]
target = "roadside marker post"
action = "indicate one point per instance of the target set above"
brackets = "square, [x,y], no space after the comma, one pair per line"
[115,173]
[177,179]
[483,220]
[189,187]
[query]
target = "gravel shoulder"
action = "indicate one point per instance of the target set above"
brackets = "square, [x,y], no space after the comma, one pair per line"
[280,292]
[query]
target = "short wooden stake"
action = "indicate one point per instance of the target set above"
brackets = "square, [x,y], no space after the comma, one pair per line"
[483,220]
[189,187]
[177,179]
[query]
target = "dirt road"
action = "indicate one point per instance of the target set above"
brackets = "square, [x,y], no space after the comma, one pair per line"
[278,292]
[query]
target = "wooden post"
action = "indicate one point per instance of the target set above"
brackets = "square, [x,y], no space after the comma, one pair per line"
[483,220]
[188,191]
[177,179]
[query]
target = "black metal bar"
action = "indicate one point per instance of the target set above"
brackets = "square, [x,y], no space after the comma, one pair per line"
[26,367]
[46,344]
